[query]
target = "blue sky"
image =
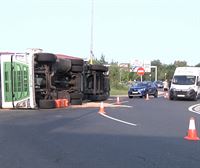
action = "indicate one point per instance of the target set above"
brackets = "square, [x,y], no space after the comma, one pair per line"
[124,30]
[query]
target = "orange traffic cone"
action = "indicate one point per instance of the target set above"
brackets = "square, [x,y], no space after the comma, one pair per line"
[147,96]
[192,132]
[118,101]
[101,109]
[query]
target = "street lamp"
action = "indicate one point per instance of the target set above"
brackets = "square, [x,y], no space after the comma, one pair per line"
[92,32]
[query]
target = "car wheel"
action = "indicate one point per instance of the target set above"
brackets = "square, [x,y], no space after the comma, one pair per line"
[156,94]
[130,97]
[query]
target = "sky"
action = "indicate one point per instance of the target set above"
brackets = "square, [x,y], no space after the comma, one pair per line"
[123,30]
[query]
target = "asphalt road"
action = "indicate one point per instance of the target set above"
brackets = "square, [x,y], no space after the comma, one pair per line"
[139,134]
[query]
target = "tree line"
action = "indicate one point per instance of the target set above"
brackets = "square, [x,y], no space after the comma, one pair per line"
[120,76]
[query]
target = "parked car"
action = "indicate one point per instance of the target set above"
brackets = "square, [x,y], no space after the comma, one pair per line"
[159,84]
[141,89]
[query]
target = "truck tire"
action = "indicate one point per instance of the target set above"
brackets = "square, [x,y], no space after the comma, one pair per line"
[47,104]
[98,68]
[97,97]
[76,68]
[45,57]
[76,96]
[77,62]
[76,101]
[63,66]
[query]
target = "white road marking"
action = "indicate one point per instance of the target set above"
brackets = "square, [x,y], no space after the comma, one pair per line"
[115,119]
[192,107]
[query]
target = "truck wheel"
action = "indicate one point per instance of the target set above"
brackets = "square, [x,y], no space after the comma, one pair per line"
[76,68]
[98,68]
[76,96]
[47,104]
[63,66]
[45,57]
[77,62]
[97,97]
[76,101]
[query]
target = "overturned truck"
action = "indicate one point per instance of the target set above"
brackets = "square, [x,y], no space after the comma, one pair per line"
[36,80]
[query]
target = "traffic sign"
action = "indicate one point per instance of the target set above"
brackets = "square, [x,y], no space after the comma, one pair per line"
[140,71]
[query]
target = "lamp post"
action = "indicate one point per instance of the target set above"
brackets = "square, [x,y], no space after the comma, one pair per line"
[92,32]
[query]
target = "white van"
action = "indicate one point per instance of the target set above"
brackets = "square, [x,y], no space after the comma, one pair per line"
[185,83]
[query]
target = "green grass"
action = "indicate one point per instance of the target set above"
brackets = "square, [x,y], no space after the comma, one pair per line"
[115,91]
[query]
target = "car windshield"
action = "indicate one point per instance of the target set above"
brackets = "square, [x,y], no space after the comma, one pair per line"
[184,80]
[141,84]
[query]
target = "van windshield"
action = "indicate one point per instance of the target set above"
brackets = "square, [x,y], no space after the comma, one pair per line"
[184,80]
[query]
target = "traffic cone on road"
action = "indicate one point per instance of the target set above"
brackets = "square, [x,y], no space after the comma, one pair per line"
[147,97]
[101,109]
[118,101]
[192,132]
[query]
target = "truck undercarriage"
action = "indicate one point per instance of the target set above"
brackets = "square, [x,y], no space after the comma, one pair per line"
[68,78]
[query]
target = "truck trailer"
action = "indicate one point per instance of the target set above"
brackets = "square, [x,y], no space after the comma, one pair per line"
[36,79]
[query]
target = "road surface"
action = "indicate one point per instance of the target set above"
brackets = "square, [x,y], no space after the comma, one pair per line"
[138,133]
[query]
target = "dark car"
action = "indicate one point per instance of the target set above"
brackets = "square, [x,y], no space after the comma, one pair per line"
[159,84]
[141,89]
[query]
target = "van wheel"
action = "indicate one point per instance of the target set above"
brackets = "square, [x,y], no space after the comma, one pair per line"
[171,97]
[195,97]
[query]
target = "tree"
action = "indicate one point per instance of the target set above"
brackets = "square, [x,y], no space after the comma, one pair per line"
[114,75]
[180,63]
[198,65]
[102,59]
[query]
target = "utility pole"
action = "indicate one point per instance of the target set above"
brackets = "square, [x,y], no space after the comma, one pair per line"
[92,32]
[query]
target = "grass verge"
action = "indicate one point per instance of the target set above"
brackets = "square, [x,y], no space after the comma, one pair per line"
[115,91]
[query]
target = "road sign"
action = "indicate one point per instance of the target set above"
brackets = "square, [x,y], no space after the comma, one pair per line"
[140,71]
[136,63]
